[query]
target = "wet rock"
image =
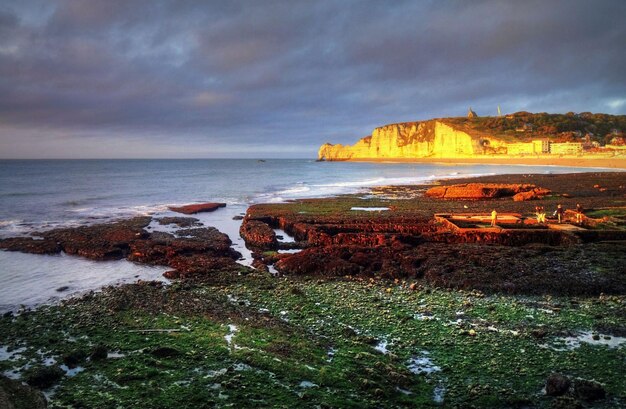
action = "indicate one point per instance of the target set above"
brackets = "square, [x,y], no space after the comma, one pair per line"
[15,395]
[99,242]
[179,221]
[62,289]
[588,390]
[43,377]
[99,353]
[537,193]
[557,384]
[238,217]
[197,208]
[565,402]
[195,251]
[29,245]
[478,190]
[74,358]
[164,352]
[258,234]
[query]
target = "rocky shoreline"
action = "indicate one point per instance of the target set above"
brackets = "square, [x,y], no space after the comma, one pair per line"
[373,304]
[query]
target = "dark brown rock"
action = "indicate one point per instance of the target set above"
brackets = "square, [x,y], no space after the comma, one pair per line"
[557,384]
[15,395]
[197,208]
[566,402]
[74,358]
[30,245]
[179,221]
[99,353]
[164,352]
[43,377]
[589,390]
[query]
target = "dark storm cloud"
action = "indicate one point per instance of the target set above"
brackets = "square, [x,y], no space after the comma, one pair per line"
[238,77]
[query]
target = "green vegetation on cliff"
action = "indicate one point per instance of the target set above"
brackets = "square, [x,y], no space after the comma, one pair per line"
[601,127]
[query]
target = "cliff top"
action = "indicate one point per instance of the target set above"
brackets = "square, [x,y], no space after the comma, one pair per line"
[524,126]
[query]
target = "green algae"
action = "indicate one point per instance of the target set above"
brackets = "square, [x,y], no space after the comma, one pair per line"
[309,342]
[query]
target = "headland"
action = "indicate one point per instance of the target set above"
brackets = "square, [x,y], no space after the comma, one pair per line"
[585,139]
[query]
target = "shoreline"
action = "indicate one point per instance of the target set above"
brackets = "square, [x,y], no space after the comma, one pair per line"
[419,336]
[577,162]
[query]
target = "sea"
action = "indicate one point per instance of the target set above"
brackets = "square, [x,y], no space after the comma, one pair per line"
[37,195]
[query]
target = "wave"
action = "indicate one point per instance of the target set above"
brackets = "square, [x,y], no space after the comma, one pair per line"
[302,191]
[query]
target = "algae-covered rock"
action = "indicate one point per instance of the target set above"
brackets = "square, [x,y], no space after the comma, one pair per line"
[557,384]
[15,395]
[99,353]
[589,390]
[44,376]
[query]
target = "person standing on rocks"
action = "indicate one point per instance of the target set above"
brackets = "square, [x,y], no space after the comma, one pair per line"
[579,214]
[494,217]
[560,212]
[541,214]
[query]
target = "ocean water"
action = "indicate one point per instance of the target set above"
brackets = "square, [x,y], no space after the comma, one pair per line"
[38,195]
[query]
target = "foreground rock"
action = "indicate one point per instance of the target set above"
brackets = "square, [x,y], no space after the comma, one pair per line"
[407,242]
[193,252]
[15,395]
[197,208]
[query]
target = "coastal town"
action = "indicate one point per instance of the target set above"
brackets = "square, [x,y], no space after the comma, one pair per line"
[521,136]
[572,143]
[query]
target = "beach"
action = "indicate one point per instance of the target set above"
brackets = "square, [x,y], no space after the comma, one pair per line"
[359,299]
[609,162]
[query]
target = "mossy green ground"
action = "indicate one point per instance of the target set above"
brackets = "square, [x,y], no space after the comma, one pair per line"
[260,341]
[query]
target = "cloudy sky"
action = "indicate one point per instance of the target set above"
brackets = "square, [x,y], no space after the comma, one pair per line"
[265,78]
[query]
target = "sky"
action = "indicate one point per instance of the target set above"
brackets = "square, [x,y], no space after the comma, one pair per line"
[276,79]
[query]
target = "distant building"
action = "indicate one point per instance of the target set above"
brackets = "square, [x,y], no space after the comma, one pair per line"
[520,148]
[541,145]
[566,148]
[471,114]
[616,147]
[536,147]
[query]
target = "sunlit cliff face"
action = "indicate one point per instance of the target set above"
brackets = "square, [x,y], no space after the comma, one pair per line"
[410,140]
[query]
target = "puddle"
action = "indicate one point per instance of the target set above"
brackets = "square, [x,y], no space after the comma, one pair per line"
[273,270]
[283,236]
[242,367]
[13,355]
[439,393]
[232,329]
[573,342]
[308,384]
[422,365]
[216,373]
[369,209]
[234,300]
[330,354]
[382,347]
[71,372]
[289,251]
[424,317]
